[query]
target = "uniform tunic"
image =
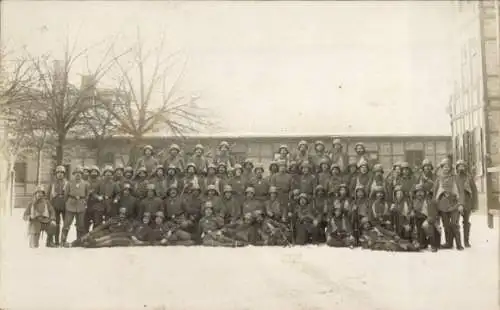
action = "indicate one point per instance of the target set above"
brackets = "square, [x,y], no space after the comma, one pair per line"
[201,163]
[308,183]
[341,159]
[176,161]
[261,186]
[56,194]
[77,193]
[151,205]
[150,163]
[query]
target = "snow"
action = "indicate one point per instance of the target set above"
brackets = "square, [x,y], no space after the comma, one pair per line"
[247,278]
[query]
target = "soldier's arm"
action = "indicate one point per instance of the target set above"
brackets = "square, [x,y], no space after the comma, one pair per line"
[474,197]
[52,211]
[27,211]
[66,191]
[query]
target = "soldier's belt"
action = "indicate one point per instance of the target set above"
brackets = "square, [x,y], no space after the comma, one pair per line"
[76,197]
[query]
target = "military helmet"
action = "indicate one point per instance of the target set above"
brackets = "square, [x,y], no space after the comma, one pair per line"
[211,166]
[378,189]
[129,169]
[335,166]
[221,164]
[304,143]
[460,162]
[108,168]
[159,167]
[319,142]
[378,168]
[174,147]
[95,168]
[283,147]
[148,147]
[191,164]
[295,192]
[146,215]
[237,166]
[40,189]
[199,147]
[119,167]
[360,188]
[208,204]
[427,162]
[405,164]
[444,161]
[318,188]
[85,168]
[359,144]
[127,186]
[304,196]
[228,188]
[77,170]
[418,188]
[305,164]
[396,164]
[212,187]
[324,161]
[60,169]
[142,169]
[273,189]
[336,141]
[172,167]
[273,163]
[151,187]
[223,143]
[364,220]
[398,188]
[259,166]
[160,214]
[362,163]
[250,189]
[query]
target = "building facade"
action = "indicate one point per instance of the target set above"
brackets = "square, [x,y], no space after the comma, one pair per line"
[475,101]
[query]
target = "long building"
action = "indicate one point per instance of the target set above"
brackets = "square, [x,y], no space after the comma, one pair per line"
[475,100]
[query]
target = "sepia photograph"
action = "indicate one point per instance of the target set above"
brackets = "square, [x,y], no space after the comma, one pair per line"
[250,155]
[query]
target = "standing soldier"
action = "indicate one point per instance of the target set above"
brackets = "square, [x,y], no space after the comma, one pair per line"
[231,208]
[338,156]
[360,210]
[106,192]
[92,198]
[361,155]
[173,178]
[320,207]
[379,213]
[324,174]
[41,217]
[283,183]
[274,168]
[426,218]
[238,183]
[378,180]
[126,200]
[247,174]
[76,192]
[402,216]
[407,179]
[283,154]
[199,159]
[362,178]
[151,203]
[147,160]
[158,179]
[466,181]
[175,158]
[250,204]
[260,183]
[426,178]
[56,197]
[307,223]
[85,173]
[224,155]
[302,153]
[335,180]
[308,181]
[141,183]
[320,156]
[450,202]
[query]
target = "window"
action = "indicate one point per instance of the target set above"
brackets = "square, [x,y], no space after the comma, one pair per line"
[414,157]
[109,158]
[21,172]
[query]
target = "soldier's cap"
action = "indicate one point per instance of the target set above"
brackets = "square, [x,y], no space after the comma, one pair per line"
[259,166]
[460,162]
[174,147]
[337,141]
[151,187]
[127,186]
[257,213]
[273,163]
[223,143]
[359,144]
[142,170]
[199,147]
[60,169]
[248,161]
[398,188]
[107,169]
[40,189]
[324,161]
[228,188]
[335,166]
[283,147]
[250,189]
[160,214]
[208,204]
[147,147]
[378,168]
[360,188]
[319,142]
[211,166]
[273,189]
[172,167]
[212,187]
[306,164]
[237,166]
[396,164]
[304,196]
[404,165]
[146,215]
[296,192]
[222,164]
[77,170]
[85,168]
[304,143]
[159,167]
[119,167]
[444,161]
[95,168]
[318,188]
[129,169]
[362,163]
[190,164]
[427,162]
[419,188]
[364,220]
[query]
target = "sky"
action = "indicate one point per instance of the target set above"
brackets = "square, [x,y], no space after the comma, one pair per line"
[267,68]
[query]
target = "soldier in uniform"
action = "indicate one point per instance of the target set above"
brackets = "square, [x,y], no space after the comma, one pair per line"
[466,181]
[271,232]
[248,173]
[211,228]
[192,206]
[222,173]
[128,174]
[324,174]
[283,183]
[151,203]
[402,217]
[85,173]
[118,174]
[147,161]
[339,230]
[126,200]
[307,225]
[360,210]
[56,197]
[273,208]
[294,172]
[320,206]
[407,179]
[380,239]
[173,178]
[141,183]
[212,178]
[449,196]
[302,153]
[93,202]
[274,168]
[199,159]
[175,158]
[335,180]
[427,177]
[191,178]
[76,193]
[362,178]
[230,208]
[117,231]
[160,182]
[361,155]
[238,183]
[379,214]
[308,180]
[224,156]
[250,204]
[338,156]
[320,155]
[260,183]
[177,222]
[42,217]
[378,180]
[351,172]
[212,195]
[426,219]
[341,199]
[107,191]
[283,154]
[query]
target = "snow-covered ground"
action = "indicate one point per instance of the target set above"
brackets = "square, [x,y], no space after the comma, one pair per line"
[247,278]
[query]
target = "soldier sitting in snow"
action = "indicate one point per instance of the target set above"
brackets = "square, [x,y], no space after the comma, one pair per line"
[339,230]
[211,228]
[41,217]
[381,239]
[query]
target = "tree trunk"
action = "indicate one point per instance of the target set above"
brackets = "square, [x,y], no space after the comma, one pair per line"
[60,149]
[38,166]
[135,151]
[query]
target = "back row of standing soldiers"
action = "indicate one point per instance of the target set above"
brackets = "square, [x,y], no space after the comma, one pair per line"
[303,191]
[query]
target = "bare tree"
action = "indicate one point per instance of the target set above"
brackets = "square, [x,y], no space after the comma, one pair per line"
[63,102]
[149,96]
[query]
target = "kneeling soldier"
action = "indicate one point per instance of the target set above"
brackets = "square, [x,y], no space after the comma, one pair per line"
[211,227]
[41,217]
[426,219]
[307,223]
[339,230]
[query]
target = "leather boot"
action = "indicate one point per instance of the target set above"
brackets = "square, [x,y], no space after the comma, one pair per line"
[449,239]
[466,234]
[64,238]
[56,235]
[49,243]
[34,240]
[458,240]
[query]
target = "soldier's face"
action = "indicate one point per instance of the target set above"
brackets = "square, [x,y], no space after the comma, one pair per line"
[142,174]
[60,175]
[159,172]
[420,195]
[222,170]
[224,149]
[108,174]
[237,172]
[39,195]
[337,147]
[126,192]
[273,196]
[208,210]
[174,152]
[148,152]
[249,194]
[302,148]
[283,152]
[94,174]
[342,192]
[128,174]
[338,212]
[379,173]
[119,173]
[363,169]
[335,171]
[145,220]
[360,194]
[198,152]
[302,201]
[190,170]
[196,193]
[320,147]
[352,169]
[399,195]
[211,193]
[259,172]
[305,170]
[173,192]
[427,168]
[397,170]
[86,173]
[228,195]
[320,192]
[360,150]
[171,172]
[282,168]
[405,171]
[78,176]
[158,220]
[379,195]
[123,212]
[461,168]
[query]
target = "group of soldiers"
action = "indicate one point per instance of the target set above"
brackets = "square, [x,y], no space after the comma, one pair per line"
[308,196]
